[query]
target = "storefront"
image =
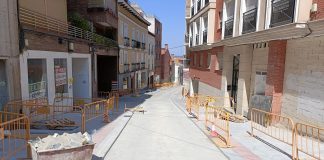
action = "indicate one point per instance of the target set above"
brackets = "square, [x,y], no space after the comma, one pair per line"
[46,74]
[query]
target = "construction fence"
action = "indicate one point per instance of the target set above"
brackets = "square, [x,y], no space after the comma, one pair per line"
[305,141]
[14,136]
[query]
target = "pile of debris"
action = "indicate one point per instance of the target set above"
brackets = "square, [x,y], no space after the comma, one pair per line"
[60,142]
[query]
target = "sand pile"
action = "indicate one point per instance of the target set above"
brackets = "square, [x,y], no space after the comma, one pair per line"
[59,142]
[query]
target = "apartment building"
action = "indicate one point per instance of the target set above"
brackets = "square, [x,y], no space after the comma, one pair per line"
[132,40]
[56,58]
[151,59]
[165,61]
[156,29]
[204,29]
[103,16]
[9,52]
[272,57]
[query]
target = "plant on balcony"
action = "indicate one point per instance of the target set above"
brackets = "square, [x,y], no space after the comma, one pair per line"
[76,20]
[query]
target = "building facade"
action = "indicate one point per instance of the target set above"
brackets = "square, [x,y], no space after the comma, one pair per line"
[156,29]
[151,59]
[132,40]
[166,68]
[56,58]
[9,52]
[270,58]
[103,17]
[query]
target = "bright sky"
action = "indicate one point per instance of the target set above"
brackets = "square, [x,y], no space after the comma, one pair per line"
[172,15]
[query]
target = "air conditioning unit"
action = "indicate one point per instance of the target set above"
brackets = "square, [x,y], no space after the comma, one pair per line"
[314,8]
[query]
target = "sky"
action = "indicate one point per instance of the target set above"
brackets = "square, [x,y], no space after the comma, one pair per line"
[172,15]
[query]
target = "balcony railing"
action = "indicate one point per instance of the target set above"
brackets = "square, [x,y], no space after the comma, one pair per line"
[282,12]
[138,44]
[126,68]
[206,2]
[197,39]
[198,5]
[40,22]
[134,44]
[204,36]
[191,41]
[229,28]
[126,42]
[143,45]
[249,21]
[192,10]
[142,65]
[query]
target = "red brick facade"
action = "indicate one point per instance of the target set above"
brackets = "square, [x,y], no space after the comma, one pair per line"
[218,19]
[165,64]
[275,73]
[210,75]
[319,14]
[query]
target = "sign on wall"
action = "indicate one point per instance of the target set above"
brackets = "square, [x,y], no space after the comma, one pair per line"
[60,76]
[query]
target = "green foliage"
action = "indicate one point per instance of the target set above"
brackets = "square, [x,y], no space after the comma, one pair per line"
[77,21]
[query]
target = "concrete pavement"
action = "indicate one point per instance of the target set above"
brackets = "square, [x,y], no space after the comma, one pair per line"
[164,132]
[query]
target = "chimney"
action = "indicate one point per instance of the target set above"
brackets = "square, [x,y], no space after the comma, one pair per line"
[166,46]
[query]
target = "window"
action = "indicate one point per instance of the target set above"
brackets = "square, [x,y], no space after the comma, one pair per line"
[37,78]
[219,65]
[60,72]
[201,60]
[125,29]
[208,60]
[260,83]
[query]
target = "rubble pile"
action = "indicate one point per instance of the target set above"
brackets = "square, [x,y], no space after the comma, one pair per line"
[59,142]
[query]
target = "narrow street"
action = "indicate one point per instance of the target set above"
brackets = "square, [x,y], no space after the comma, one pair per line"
[163,132]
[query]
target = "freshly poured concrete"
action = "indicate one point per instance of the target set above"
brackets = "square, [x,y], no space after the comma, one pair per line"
[164,132]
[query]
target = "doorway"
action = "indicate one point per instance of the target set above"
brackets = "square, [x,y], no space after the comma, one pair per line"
[235,77]
[3,84]
[107,72]
[80,73]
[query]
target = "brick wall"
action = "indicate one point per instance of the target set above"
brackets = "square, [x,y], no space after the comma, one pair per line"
[210,76]
[320,10]
[303,98]
[275,73]
[218,28]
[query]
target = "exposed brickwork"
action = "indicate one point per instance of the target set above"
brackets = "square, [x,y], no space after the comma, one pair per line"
[275,73]
[43,42]
[320,10]
[210,76]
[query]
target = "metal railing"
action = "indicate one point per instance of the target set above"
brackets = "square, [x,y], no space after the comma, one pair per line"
[36,21]
[282,12]
[249,21]
[191,41]
[309,140]
[206,2]
[14,136]
[198,5]
[197,39]
[217,122]
[133,43]
[126,42]
[126,67]
[143,45]
[204,36]
[276,126]
[143,65]
[192,11]
[229,24]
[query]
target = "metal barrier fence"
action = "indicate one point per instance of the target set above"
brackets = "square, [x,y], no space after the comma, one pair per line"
[217,121]
[309,140]
[14,136]
[108,95]
[159,85]
[66,112]
[274,125]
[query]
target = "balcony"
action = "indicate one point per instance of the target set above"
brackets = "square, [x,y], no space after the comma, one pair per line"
[138,44]
[143,45]
[126,42]
[143,65]
[198,5]
[229,24]
[126,68]
[205,37]
[249,21]
[197,39]
[190,41]
[206,2]
[133,43]
[282,12]
[38,22]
